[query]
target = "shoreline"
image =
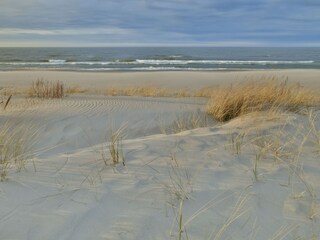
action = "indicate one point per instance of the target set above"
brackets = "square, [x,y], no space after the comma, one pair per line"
[169,79]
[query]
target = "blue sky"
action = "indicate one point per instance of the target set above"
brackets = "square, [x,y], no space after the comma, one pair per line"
[159,22]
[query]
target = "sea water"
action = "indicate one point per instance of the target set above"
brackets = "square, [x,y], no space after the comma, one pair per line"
[158,58]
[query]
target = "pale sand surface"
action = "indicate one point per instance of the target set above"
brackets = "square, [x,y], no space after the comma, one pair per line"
[67,192]
[192,80]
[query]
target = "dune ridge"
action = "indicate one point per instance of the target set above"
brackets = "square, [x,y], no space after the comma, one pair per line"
[180,174]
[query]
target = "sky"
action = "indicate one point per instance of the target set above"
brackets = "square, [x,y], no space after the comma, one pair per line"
[159,23]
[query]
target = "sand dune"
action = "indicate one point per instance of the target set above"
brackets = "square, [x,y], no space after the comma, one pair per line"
[81,121]
[254,177]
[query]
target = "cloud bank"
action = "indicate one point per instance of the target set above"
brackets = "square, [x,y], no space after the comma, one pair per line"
[160,22]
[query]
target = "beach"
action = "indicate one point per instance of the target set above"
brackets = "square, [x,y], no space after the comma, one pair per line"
[95,166]
[176,79]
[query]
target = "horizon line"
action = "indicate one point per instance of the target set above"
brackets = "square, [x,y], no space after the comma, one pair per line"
[161,45]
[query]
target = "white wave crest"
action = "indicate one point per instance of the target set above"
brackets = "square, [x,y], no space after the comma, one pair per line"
[155,62]
[217,62]
[57,61]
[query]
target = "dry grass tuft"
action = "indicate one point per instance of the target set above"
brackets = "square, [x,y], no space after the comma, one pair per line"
[184,122]
[47,89]
[229,103]
[75,90]
[115,147]
[204,92]
[147,91]
[8,91]
[151,91]
[115,150]
[137,91]
[16,143]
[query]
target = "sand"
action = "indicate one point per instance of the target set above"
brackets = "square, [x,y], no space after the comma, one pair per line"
[177,80]
[254,177]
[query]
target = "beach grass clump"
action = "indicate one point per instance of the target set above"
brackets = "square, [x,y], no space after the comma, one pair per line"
[180,184]
[115,150]
[47,89]
[228,103]
[148,91]
[237,142]
[204,92]
[74,90]
[152,91]
[137,91]
[15,147]
[185,121]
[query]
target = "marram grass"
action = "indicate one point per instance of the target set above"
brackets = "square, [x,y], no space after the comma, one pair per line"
[47,89]
[228,103]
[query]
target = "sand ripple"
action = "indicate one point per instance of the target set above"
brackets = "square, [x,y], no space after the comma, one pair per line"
[81,121]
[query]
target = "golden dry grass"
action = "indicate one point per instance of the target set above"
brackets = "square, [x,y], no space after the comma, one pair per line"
[237,100]
[152,91]
[16,146]
[42,89]
[5,92]
[47,89]
[147,91]
[74,90]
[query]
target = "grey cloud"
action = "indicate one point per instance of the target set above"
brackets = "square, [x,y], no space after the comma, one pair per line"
[163,21]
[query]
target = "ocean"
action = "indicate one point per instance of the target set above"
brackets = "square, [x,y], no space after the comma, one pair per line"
[158,58]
